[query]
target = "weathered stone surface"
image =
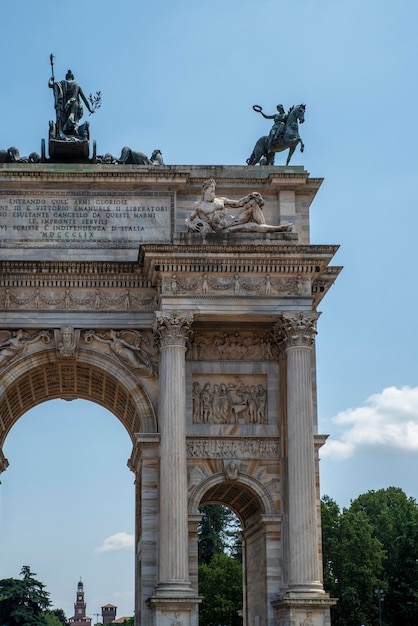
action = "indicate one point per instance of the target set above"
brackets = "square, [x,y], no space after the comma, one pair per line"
[202,344]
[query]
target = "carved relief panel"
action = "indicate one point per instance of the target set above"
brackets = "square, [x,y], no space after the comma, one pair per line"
[229,399]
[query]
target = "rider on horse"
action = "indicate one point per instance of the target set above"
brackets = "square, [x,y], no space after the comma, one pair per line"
[280,119]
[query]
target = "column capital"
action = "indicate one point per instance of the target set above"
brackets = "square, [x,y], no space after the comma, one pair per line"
[172,328]
[296,329]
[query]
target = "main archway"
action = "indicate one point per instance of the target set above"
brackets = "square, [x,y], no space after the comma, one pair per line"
[41,378]
[67,504]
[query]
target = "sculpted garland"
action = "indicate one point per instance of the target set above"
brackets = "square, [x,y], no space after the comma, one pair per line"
[237,285]
[75,299]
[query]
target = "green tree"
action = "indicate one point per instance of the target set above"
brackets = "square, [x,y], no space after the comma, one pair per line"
[353,560]
[56,617]
[330,520]
[23,602]
[51,619]
[61,616]
[394,519]
[220,585]
[217,532]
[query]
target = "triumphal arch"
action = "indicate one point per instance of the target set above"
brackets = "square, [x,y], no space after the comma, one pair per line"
[183,299]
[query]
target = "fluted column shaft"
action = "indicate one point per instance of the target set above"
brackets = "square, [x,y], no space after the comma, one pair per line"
[173,330]
[298,332]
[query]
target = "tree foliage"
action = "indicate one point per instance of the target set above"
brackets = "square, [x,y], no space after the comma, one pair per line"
[51,619]
[61,616]
[220,570]
[217,533]
[394,518]
[220,585]
[372,545]
[23,602]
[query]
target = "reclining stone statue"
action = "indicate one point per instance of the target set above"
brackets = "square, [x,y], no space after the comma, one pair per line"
[209,214]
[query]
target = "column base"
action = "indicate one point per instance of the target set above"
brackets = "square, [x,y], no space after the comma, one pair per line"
[305,590]
[174,610]
[292,611]
[174,589]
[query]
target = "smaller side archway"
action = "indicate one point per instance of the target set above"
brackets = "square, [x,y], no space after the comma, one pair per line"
[261,537]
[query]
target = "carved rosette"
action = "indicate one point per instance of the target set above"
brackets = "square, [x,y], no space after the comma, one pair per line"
[173,328]
[297,330]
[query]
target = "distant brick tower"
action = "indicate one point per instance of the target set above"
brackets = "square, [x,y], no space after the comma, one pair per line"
[80,618]
[108,613]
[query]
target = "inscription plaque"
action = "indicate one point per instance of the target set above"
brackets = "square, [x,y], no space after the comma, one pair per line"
[64,218]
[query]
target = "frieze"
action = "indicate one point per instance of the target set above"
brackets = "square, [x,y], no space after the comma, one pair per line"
[233,448]
[77,298]
[229,399]
[237,285]
[233,346]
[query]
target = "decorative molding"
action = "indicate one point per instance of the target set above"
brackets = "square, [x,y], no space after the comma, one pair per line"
[233,448]
[79,298]
[215,285]
[254,346]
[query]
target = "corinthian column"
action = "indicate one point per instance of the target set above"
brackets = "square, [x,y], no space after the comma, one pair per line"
[298,332]
[173,331]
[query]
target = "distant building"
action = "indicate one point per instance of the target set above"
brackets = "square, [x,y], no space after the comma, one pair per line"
[108,613]
[80,618]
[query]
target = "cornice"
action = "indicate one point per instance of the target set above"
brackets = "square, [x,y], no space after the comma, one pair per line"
[175,176]
[312,260]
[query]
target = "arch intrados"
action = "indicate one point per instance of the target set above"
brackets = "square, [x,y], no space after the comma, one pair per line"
[245,496]
[39,378]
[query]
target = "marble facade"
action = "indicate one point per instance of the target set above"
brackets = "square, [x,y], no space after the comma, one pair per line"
[201,344]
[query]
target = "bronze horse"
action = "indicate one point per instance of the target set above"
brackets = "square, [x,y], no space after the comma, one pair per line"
[289,139]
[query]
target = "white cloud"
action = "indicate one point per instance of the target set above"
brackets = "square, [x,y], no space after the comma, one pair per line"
[118,541]
[388,422]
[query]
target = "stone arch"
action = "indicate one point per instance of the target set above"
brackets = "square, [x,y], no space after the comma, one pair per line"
[40,378]
[261,521]
[246,496]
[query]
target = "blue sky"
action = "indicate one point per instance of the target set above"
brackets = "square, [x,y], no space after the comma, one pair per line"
[182,77]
